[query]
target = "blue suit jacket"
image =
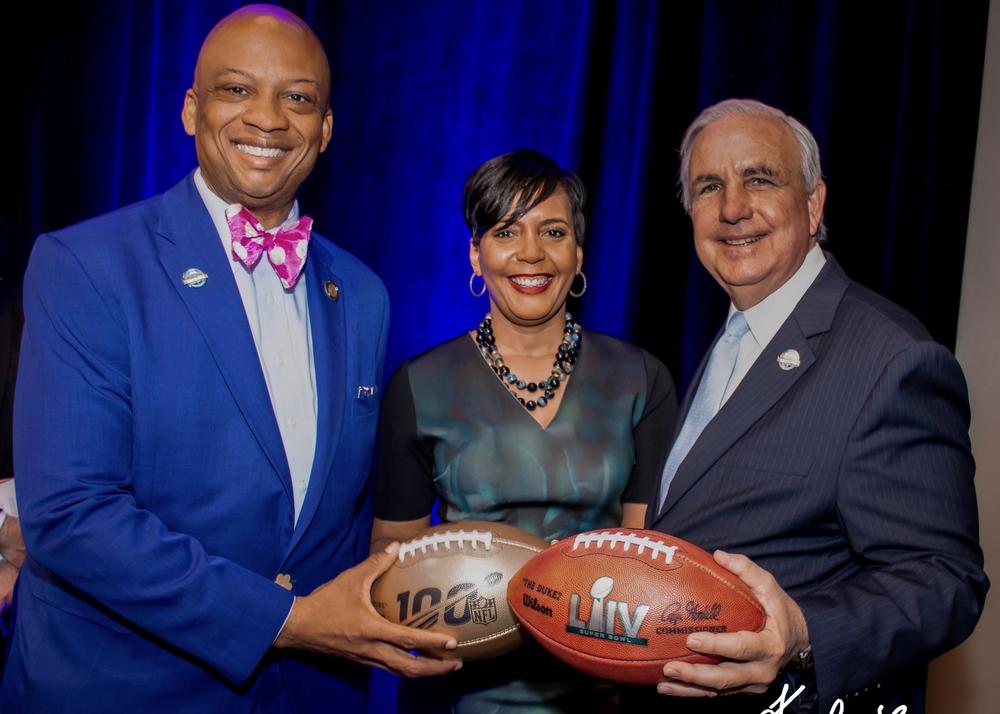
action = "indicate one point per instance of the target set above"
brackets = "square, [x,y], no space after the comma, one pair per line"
[850,478]
[154,491]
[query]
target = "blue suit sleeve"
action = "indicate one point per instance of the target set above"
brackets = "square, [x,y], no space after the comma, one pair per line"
[73,458]
[907,503]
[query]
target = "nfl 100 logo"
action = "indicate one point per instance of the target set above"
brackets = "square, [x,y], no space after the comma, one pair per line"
[483,610]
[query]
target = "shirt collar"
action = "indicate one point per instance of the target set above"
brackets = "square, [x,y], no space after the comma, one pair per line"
[766,317]
[217,210]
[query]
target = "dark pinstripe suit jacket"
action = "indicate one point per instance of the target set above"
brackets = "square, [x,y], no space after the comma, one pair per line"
[850,479]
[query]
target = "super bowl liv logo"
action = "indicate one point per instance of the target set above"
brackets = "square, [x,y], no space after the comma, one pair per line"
[605,614]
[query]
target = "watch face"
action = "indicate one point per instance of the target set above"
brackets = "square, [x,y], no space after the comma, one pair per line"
[806,658]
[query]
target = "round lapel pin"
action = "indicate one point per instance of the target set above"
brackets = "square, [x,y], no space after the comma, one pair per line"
[332,291]
[194,277]
[789,359]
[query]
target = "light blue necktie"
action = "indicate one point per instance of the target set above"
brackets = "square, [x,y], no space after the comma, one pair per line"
[708,399]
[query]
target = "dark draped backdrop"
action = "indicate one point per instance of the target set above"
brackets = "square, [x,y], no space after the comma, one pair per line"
[424,91]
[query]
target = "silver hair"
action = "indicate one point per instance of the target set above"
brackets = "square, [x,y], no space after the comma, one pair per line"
[809,150]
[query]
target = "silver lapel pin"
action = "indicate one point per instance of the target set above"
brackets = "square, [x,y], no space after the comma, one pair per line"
[789,359]
[194,277]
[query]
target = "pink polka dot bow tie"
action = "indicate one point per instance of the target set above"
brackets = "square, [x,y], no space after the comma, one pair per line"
[286,247]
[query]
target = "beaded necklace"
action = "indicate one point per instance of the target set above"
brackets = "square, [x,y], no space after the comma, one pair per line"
[562,367]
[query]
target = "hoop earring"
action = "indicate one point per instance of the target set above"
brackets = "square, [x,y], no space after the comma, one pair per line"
[583,289]
[472,290]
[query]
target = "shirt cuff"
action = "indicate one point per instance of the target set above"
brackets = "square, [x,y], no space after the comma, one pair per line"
[282,629]
[8,498]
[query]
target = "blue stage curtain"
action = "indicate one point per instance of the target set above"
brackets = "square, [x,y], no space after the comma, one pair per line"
[425,91]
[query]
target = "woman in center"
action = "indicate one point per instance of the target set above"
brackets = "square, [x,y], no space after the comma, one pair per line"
[528,419]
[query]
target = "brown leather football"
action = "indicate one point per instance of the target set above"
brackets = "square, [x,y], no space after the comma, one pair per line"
[452,578]
[620,603]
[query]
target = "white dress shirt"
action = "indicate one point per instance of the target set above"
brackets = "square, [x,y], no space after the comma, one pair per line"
[279,322]
[8,502]
[766,317]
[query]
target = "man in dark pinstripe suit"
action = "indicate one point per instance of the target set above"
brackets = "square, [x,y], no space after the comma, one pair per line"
[837,460]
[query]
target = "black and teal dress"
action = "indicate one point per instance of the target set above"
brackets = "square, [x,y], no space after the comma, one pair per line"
[451,432]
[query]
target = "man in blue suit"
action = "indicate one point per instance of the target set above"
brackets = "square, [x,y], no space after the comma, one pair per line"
[195,413]
[825,439]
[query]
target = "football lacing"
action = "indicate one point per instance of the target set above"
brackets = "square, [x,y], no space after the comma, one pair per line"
[606,538]
[447,539]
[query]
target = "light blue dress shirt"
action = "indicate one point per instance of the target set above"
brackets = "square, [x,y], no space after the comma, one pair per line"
[766,317]
[279,322]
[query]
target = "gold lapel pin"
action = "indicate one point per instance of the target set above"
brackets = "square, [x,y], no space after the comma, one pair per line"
[284,580]
[789,359]
[332,291]
[194,277]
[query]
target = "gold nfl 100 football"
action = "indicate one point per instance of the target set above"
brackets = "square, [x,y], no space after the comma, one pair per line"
[453,578]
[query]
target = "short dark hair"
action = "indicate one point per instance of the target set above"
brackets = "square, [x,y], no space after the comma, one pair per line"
[524,175]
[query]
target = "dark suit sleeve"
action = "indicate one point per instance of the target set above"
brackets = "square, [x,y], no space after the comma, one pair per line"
[73,447]
[651,434]
[404,465]
[10,338]
[907,503]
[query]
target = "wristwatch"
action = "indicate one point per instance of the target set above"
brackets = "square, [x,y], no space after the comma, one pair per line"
[804,659]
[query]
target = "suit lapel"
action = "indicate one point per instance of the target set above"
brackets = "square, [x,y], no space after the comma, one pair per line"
[327,325]
[765,383]
[685,407]
[189,240]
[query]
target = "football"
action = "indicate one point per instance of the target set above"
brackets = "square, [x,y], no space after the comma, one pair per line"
[618,604]
[453,578]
